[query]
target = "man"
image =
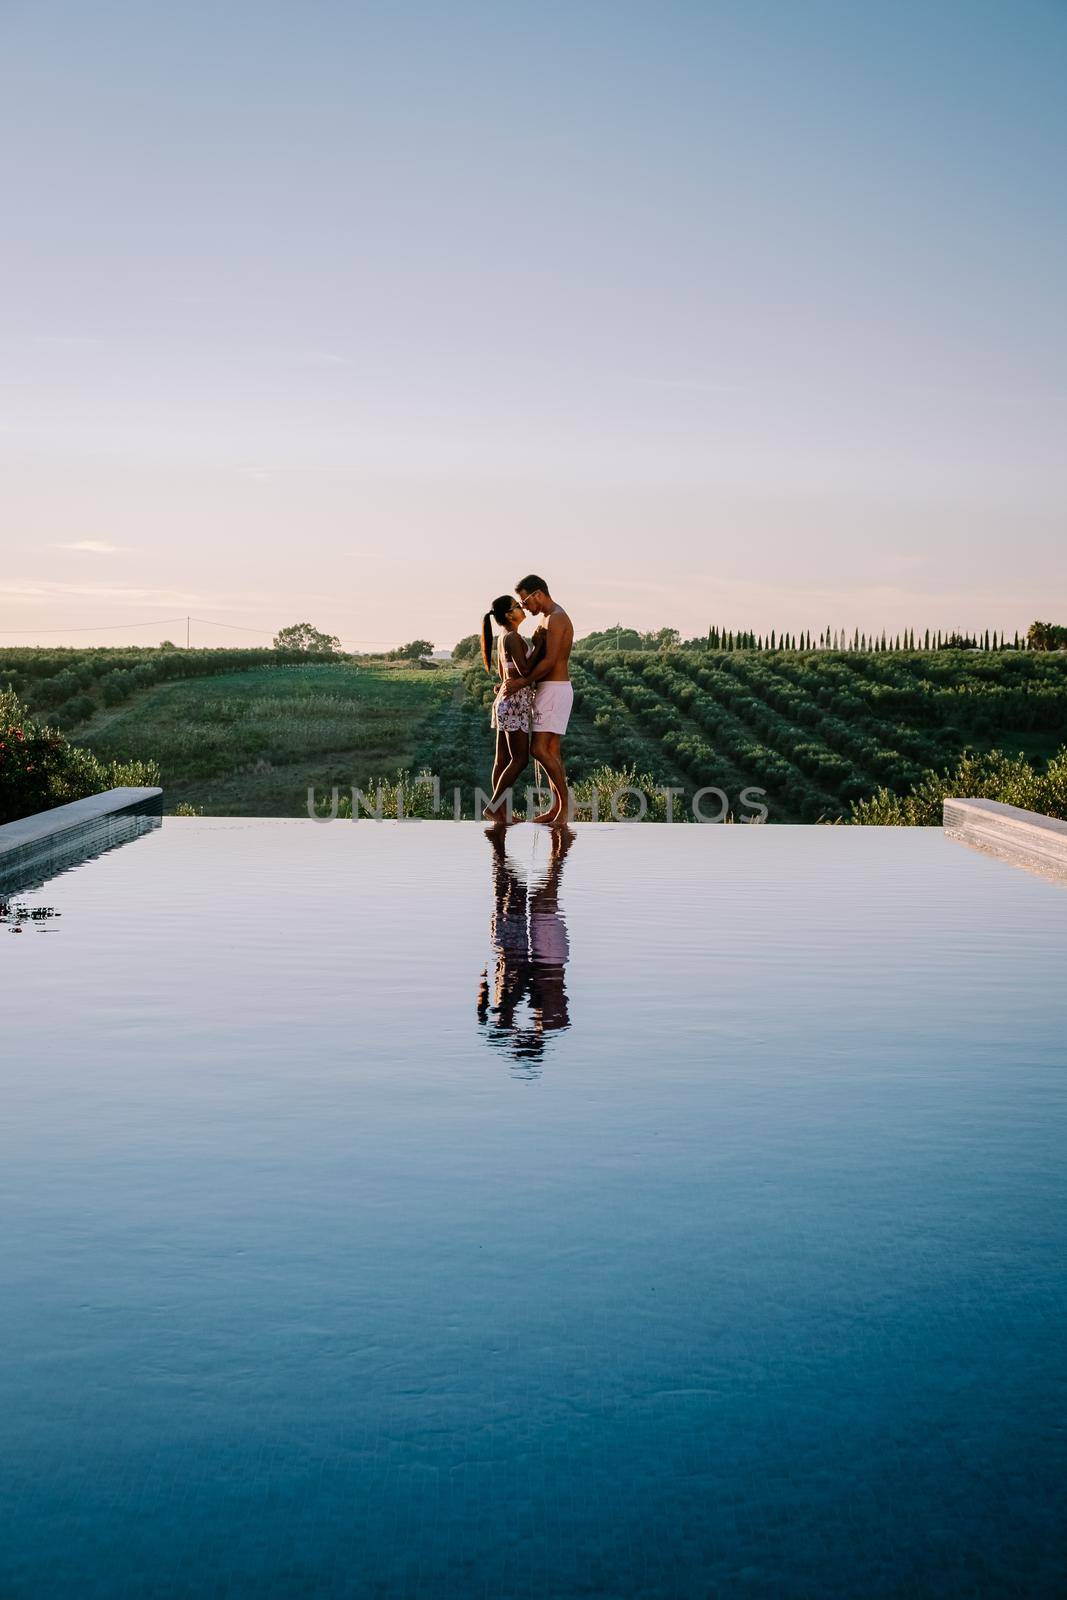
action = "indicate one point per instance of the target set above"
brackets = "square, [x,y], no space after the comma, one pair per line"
[554,695]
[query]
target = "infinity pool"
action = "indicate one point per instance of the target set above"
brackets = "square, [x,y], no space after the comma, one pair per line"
[680,1213]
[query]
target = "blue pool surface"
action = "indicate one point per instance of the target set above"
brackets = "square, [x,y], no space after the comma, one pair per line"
[677,1214]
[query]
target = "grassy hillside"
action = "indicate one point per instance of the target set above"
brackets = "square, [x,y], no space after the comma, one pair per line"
[246,732]
[250,743]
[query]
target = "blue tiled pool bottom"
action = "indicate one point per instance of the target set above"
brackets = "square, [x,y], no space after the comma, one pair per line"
[679,1214]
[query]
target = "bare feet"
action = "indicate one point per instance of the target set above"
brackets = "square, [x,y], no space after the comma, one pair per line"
[497,818]
[550,818]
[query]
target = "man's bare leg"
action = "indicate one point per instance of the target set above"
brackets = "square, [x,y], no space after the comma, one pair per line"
[546,750]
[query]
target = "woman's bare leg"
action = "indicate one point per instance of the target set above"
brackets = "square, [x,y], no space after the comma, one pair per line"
[500,759]
[518,755]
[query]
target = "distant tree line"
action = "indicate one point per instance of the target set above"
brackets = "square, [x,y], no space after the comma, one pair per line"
[1039,636]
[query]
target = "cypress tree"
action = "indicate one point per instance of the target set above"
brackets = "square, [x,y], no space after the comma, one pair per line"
[926,644]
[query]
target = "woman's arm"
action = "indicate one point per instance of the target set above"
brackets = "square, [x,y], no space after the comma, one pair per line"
[550,647]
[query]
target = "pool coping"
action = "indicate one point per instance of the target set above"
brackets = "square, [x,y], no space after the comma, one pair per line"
[1024,838]
[32,843]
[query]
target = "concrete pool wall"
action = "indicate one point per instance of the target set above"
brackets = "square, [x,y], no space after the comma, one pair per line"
[1023,838]
[34,847]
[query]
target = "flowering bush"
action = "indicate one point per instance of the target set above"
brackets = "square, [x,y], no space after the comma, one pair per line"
[40,769]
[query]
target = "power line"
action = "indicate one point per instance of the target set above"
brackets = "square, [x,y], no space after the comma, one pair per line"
[165,622]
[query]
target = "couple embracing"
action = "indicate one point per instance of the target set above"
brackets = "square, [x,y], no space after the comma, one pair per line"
[533,703]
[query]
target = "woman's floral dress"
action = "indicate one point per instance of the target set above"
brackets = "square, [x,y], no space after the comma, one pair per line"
[513,713]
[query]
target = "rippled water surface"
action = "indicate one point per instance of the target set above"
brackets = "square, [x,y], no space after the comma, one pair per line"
[678,1213]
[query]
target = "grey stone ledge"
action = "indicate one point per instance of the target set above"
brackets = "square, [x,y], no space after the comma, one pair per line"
[1024,838]
[51,839]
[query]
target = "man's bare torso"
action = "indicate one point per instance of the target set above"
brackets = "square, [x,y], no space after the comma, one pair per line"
[559,625]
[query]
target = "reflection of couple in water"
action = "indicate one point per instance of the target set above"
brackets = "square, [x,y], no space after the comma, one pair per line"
[523,992]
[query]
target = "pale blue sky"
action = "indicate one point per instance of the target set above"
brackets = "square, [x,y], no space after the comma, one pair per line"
[748,312]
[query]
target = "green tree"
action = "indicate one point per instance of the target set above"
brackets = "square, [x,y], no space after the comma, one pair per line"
[1046,636]
[302,636]
[411,652]
[467,649]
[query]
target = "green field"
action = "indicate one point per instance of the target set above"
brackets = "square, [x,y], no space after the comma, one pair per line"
[250,743]
[245,733]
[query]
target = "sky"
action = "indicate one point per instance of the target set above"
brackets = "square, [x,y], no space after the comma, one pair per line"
[740,312]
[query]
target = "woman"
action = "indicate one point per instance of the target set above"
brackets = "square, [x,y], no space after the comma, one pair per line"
[512,715]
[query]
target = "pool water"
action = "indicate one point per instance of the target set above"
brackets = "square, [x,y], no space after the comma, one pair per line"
[673,1211]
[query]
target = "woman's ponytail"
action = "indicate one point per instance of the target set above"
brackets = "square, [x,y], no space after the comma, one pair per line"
[498,612]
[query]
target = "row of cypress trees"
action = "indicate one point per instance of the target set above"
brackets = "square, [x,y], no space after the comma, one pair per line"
[839,639]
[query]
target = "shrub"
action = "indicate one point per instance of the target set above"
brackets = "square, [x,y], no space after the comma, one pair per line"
[994,776]
[39,769]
